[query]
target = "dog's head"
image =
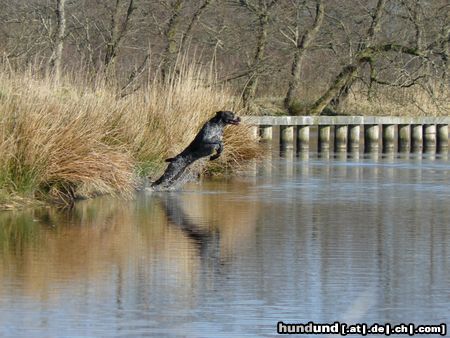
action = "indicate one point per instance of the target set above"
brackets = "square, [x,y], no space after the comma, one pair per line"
[228,117]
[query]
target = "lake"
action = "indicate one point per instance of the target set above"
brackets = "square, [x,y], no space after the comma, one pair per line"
[354,240]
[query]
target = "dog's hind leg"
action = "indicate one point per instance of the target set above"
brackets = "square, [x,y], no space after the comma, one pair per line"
[174,170]
[181,170]
[170,172]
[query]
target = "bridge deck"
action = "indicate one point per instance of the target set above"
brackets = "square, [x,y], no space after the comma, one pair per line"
[342,120]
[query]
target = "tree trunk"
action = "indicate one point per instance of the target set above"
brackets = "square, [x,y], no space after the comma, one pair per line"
[250,90]
[375,26]
[168,57]
[294,83]
[342,80]
[301,48]
[111,48]
[342,84]
[55,61]
[195,17]
[445,58]
[117,33]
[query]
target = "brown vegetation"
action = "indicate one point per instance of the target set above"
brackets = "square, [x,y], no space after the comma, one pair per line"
[134,91]
[70,139]
[311,54]
[97,235]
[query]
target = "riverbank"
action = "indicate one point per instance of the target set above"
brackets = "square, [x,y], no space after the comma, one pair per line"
[416,101]
[77,138]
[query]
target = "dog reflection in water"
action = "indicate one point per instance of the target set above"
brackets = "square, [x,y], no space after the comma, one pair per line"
[205,239]
[208,142]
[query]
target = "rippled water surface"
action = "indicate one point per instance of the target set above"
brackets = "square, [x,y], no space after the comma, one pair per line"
[324,240]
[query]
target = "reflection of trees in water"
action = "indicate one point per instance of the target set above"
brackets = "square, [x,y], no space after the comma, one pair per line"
[17,231]
[145,241]
[205,237]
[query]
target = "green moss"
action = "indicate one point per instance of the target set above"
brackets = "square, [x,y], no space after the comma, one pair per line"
[298,108]
[148,167]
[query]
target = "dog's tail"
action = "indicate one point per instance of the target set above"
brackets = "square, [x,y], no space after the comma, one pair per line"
[170,159]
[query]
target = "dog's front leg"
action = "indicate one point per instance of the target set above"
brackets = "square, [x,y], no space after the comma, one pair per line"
[219,150]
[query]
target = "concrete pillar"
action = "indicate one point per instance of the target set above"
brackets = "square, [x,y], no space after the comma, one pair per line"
[371,138]
[416,138]
[388,138]
[265,133]
[404,138]
[324,138]
[286,137]
[302,139]
[254,132]
[442,138]
[340,138]
[429,138]
[354,133]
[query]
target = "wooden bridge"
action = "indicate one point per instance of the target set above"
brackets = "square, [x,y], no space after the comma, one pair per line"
[409,134]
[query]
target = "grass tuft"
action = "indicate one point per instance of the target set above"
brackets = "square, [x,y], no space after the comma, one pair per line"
[74,139]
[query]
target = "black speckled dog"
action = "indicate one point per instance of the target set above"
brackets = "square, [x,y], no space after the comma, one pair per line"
[208,140]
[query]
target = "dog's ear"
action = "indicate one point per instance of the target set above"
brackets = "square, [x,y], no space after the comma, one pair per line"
[219,113]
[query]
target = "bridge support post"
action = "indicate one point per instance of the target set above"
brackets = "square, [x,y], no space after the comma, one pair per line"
[286,137]
[388,138]
[340,138]
[354,133]
[302,139]
[253,130]
[371,138]
[324,138]
[417,138]
[265,133]
[404,138]
[429,138]
[442,138]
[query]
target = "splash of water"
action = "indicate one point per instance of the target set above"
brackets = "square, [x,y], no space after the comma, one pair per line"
[191,174]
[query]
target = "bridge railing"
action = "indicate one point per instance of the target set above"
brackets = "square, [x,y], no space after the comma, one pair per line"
[415,134]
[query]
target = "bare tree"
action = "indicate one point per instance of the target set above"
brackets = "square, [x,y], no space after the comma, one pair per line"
[118,30]
[262,10]
[170,33]
[177,32]
[346,76]
[286,49]
[55,60]
[301,44]
[28,30]
[193,20]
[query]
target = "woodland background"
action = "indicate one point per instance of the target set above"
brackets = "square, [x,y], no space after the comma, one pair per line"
[286,56]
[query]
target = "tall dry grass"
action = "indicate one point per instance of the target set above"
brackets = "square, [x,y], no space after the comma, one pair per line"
[76,138]
[433,100]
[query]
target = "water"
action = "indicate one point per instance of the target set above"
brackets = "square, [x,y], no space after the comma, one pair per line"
[323,240]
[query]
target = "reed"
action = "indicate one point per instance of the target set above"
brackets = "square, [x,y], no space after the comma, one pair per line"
[430,100]
[434,100]
[72,138]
